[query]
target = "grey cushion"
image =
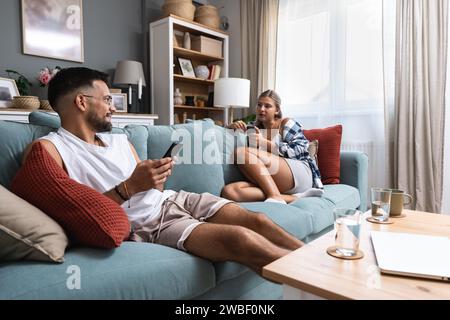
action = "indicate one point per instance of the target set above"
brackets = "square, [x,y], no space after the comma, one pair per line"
[28,233]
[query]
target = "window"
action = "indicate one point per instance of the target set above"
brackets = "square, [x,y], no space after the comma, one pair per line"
[329,56]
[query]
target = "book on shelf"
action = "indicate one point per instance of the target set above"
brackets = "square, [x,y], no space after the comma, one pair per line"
[214,71]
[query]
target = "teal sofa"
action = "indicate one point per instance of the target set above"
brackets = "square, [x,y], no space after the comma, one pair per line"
[150,271]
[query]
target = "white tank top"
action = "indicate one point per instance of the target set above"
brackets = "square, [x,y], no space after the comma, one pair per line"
[102,168]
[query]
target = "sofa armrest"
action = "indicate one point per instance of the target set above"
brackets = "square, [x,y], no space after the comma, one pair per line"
[354,172]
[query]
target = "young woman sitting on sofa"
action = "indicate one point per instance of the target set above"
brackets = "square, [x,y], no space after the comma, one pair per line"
[276,161]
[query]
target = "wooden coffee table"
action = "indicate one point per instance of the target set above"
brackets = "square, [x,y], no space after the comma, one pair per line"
[310,273]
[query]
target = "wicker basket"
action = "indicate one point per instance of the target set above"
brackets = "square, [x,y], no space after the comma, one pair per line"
[45,105]
[208,16]
[25,102]
[183,9]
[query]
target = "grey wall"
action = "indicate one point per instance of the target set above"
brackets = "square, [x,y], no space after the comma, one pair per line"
[112,32]
[232,10]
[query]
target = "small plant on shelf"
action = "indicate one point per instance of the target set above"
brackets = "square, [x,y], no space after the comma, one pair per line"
[201,101]
[23,84]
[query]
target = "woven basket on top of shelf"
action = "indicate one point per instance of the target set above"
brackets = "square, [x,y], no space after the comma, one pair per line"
[25,102]
[182,8]
[208,16]
[45,105]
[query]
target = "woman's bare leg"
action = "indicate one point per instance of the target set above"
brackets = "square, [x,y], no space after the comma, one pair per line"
[244,191]
[269,172]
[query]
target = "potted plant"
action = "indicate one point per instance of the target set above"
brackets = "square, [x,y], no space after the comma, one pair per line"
[201,101]
[23,85]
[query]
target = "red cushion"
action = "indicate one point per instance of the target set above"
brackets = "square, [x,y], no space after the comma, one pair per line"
[329,154]
[88,217]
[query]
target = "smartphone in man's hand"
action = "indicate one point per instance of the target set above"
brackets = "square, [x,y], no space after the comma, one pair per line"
[173,150]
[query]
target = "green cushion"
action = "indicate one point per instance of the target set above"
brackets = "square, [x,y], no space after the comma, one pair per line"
[194,175]
[321,209]
[228,140]
[42,118]
[15,137]
[137,135]
[132,271]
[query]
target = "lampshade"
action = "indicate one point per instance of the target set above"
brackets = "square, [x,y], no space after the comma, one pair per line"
[232,92]
[129,72]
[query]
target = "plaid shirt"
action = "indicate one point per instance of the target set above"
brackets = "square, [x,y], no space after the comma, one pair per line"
[294,145]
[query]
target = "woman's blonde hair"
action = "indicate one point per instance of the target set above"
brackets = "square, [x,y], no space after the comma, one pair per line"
[276,98]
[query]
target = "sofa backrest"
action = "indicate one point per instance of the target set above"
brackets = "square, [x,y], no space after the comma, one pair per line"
[200,168]
[151,142]
[14,138]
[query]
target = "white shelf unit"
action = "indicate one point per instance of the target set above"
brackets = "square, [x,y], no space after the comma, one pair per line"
[164,78]
[118,120]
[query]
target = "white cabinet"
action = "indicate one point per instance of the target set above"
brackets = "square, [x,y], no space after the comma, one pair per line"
[118,119]
[166,47]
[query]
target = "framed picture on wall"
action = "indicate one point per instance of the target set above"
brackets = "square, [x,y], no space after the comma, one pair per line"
[8,89]
[53,29]
[120,101]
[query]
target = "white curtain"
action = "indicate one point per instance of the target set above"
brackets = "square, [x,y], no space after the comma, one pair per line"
[330,71]
[416,124]
[259,38]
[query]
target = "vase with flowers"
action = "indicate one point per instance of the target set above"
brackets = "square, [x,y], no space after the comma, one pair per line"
[45,75]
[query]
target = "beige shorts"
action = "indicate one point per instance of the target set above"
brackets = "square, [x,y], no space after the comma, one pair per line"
[180,214]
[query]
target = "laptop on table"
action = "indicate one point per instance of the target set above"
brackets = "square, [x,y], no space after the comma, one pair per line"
[412,255]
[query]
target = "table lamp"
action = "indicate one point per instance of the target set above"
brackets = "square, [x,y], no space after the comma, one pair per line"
[232,93]
[130,73]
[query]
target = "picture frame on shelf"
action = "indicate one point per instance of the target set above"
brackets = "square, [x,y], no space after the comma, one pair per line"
[186,67]
[60,23]
[8,89]
[120,102]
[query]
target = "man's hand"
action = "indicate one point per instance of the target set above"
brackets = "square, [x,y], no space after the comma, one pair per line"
[150,174]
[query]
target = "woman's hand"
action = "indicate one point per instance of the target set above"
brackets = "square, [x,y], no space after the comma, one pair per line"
[255,137]
[238,125]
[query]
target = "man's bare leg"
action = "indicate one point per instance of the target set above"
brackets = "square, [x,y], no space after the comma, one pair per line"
[232,243]
[233,214]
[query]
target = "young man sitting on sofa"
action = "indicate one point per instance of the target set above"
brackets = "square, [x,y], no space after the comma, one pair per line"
[202,224]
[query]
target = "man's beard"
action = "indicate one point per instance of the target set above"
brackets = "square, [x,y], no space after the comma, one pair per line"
[99,125]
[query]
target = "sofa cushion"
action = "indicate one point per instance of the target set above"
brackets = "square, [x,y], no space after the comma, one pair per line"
[42,118]
[137,134]
[15,137]
[132,271]
[228,140]
[329,152]
[291,219]
[28,233]
[320,209]
[201,170]
[88,217]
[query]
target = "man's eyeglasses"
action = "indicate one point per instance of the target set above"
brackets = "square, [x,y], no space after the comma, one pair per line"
[107,99]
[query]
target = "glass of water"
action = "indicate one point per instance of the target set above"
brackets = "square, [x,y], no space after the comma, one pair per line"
[347,224]
[381,204]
